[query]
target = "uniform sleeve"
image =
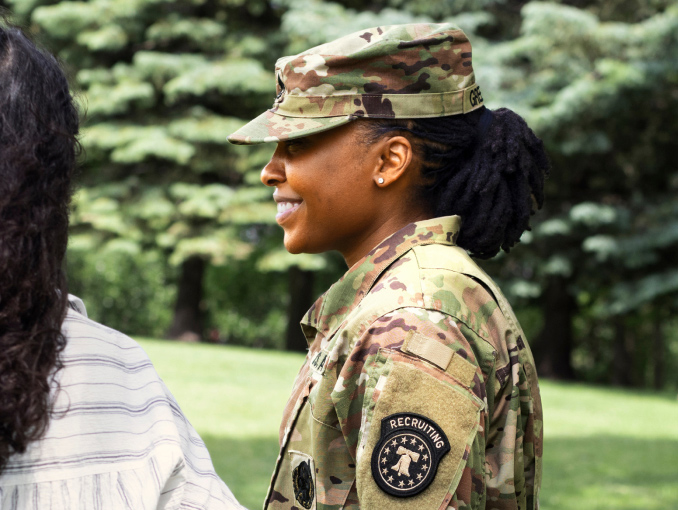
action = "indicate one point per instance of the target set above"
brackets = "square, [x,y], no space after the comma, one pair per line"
[414,378]
[513,432]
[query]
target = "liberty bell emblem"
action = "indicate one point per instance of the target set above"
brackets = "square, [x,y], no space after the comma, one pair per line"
[406,458]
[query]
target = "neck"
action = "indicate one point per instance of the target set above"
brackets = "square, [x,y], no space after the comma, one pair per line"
[373,238]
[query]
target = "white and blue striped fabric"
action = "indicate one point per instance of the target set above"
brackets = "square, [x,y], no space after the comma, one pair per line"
[117,440]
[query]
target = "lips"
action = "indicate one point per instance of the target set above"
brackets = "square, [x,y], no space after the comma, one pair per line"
[286,206]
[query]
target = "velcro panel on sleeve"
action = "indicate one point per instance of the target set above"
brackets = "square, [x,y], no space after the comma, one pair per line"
[441,356]
[428,349]
[462,369]
[453,408]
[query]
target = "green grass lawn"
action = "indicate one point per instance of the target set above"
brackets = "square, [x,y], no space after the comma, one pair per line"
[605,449]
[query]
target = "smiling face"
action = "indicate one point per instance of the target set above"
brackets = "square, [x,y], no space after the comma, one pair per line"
[329,195]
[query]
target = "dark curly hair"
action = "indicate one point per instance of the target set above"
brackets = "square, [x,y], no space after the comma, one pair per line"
[489,168]
[38,151]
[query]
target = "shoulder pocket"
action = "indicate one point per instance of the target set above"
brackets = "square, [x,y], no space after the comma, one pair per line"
[434,403]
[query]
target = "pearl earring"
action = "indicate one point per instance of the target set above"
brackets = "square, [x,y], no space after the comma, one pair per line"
[380,180]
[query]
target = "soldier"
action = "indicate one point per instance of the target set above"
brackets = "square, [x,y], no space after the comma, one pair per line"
[419,389]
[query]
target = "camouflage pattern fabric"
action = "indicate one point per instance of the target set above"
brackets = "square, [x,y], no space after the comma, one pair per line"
[398,71]
[416,326]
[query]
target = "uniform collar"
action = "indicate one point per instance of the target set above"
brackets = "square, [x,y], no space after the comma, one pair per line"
[328,312]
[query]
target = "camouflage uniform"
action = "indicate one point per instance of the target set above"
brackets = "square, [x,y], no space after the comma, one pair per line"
[418,390]
[414,327]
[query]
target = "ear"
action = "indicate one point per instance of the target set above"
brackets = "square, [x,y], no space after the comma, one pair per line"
[395,156]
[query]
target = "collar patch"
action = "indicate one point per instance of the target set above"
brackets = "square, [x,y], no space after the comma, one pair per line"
[405,460]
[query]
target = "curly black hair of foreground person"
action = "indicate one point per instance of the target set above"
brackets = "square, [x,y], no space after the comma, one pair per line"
[491,175]
[38,151]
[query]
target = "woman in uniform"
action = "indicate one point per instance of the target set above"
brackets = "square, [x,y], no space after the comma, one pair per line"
[419,389]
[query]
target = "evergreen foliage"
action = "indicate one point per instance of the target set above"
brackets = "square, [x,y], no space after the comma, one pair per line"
[164,82]
[603,94]
[161,84]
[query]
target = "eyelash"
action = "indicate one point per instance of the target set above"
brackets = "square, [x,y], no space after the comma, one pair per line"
[294,144]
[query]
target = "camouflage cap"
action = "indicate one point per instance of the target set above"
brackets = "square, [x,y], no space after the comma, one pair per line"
[398,71]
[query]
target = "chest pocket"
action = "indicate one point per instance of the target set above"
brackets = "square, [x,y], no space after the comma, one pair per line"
[316,471]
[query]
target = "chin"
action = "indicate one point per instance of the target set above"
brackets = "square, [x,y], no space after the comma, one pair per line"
[295,246]
[292,247]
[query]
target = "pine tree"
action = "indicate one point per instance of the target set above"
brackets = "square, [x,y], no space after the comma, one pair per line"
[162,84]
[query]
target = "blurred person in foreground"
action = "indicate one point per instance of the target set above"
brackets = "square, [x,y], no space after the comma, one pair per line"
[85,421]
[419,389]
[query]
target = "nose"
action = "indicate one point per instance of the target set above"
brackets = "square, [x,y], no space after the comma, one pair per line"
[274,171]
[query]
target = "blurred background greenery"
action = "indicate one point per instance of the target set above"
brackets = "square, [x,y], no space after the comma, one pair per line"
[173,235]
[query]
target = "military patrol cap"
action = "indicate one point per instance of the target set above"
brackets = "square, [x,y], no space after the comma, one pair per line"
[397,72]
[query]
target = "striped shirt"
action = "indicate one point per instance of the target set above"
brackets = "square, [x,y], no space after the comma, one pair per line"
[117,439]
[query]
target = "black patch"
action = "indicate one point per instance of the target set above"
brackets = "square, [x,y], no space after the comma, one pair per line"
[303,484]
[406,458]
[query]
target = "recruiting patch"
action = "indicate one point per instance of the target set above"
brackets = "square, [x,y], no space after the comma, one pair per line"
[405,460]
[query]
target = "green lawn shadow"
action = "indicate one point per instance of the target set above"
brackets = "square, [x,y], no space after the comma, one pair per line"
[604,472]
[245,464]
